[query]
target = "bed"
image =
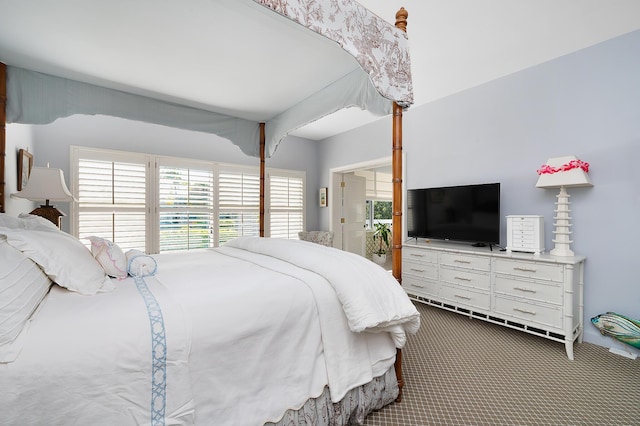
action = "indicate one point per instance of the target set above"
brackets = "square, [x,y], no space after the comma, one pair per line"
[359,61]
[259,330]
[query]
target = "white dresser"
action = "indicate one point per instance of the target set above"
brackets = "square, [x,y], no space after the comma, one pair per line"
[538,294]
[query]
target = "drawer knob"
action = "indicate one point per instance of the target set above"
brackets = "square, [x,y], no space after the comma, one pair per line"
[416,255]
[417,270]
[518,268]
[526,290]
[459,296]
[462,278]
[461,261]
[524,311]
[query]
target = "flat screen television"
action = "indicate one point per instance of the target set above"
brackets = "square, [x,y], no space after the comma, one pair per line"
[466,213]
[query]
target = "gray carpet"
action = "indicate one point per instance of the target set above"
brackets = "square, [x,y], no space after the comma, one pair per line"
[461,371]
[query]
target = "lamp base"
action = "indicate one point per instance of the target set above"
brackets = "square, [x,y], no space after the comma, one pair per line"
[50,213]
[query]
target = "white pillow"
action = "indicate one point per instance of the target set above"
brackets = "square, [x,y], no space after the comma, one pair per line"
[140,264]
[25,221]
[23,286]
[63,258]
[109,256]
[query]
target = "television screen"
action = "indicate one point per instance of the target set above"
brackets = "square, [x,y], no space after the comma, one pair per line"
[467,213]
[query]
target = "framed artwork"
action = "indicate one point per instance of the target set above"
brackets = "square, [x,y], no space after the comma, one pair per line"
[25,163]
[323,197]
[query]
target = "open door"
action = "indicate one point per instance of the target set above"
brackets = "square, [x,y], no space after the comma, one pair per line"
[353,198]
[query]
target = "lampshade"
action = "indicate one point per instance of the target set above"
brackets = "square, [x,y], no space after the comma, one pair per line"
[45,184]
[563,171]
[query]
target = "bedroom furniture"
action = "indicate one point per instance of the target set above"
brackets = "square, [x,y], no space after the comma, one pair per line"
[538,294]
[354,59]
[525,233]
[324,238]
[563,172]
[46,184]
[258,330]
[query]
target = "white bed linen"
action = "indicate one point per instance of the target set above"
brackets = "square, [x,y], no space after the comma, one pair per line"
[248,336]
[87,360]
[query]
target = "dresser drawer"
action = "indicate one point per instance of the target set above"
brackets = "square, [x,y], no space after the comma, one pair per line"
[419,287]
[532,290]
[535,270]
[423,270]
[465,297]
[455,260]
[466,278]
[528,312]
[418,255]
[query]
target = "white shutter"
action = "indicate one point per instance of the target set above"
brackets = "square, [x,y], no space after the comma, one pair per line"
[286,204]
[111,198]
[186,207]
[184,204]
[238,203]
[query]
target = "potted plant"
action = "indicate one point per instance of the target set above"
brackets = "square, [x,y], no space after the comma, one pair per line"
[382,233]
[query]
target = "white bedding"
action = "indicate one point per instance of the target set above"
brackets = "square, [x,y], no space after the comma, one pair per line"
[248,336]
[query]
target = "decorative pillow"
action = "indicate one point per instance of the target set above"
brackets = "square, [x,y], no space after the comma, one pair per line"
[140,264]
[23,286]
[63,258]
[32,221]
[109,256]
[25,221]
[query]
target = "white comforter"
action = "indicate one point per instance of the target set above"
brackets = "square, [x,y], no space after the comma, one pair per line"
[248,336]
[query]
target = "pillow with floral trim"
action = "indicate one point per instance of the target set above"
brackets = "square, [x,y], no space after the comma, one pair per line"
[109,256]
[62,257]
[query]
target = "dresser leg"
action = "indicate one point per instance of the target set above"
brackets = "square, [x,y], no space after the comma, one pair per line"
[568,344]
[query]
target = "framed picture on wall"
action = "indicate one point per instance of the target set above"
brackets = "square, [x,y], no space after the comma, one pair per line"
[323,197]
[25,163]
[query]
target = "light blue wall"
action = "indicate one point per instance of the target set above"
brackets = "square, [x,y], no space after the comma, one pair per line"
[51,144]
[585,104]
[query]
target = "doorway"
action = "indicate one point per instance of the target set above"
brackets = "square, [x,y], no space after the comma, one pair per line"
[355,190]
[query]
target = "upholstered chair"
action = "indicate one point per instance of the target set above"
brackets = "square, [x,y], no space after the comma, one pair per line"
[324,238]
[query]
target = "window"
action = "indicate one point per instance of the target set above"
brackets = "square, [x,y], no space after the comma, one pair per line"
[112,198]
[239,201]
[160,204]
[379,211]
[286,211]
[185,206]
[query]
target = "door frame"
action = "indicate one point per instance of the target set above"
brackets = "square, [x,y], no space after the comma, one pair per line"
[334,192]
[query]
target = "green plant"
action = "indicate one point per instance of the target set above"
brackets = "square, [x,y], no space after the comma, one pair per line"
[382,233]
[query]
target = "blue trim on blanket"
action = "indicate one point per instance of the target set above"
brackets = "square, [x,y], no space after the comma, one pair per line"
[158,354]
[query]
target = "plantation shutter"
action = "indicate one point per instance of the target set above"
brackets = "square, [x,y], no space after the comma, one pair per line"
[239,203]
[186,207]
[111,196]
[286,207]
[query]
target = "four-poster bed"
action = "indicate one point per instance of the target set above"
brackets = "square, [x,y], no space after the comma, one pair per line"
[380,83]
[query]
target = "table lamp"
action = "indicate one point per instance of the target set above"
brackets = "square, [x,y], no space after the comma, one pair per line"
[563,172]
[46,184]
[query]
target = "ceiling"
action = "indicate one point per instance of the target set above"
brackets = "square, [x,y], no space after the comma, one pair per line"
[455,44]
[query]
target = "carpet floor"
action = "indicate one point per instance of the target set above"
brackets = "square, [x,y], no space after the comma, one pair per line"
[462,371]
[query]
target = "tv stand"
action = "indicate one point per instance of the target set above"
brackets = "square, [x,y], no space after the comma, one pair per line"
[536,294]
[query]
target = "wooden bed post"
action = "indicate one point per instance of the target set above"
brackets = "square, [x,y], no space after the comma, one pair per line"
[3,119]
[396,163]
[262,177]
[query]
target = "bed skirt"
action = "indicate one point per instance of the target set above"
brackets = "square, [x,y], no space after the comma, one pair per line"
[351,410]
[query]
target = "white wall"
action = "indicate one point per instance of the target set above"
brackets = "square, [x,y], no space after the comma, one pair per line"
[585,104]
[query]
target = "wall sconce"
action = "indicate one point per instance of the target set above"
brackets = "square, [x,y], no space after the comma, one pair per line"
[563,172]
[46,184]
